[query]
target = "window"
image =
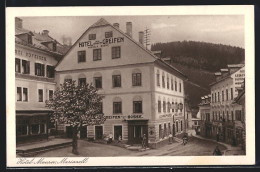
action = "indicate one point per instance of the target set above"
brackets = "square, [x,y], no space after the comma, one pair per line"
[227,116]
[50,71]
[117,107]
[116,52]
[108,34]
[50,94]
[25,94]
[159,106]
[35,128]
[98,82]
[181,125]
[164,130]
[158,79]
[169,128]
[39,69]
[171,84]
[137,106]
[21,130]
[232,115]
[19,94]
[168,107]
[215,97]
[213,115]
[25,67]
[168,84]
[180,87]
[175,85]
[218,97]
[227,94]
[231,93]
[100,108]
[92,36]
[97,54]
[136,79]
[160,131]
[82,81]
[163,81]
[40,94]
[238,115]
[81,56]
[17,65]
[222,95]
[116,80]
[164,106]
[172,106]
[212,97]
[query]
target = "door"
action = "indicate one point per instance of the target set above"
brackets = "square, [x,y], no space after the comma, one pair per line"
[136,132]
[83,132]
[117,132]
[98,132]
[69,131]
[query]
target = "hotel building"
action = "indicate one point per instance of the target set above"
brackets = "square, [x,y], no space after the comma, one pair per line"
[36,55]
[142,93]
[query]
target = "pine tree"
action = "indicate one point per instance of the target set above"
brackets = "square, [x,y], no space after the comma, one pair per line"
[76,106]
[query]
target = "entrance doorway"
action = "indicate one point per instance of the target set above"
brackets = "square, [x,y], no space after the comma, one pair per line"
[117,132]
[69,131]
[136,130]
[98,132]
[83,132]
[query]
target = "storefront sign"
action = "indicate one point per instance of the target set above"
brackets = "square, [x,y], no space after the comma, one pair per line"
[165,116]
[104,42]
[124,117]
[30,55]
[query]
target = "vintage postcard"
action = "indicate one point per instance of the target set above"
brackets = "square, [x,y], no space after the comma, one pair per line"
[130,86]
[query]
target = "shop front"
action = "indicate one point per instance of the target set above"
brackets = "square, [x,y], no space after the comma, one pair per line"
[136,131]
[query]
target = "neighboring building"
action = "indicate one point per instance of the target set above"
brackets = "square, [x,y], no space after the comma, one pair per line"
[36,55]
[206,124]
[188,117]
[225,116]
[142,93]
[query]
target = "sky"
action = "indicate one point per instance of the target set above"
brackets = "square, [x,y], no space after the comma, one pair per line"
[219,29]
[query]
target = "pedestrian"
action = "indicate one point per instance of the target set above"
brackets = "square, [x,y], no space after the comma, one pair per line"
[144,142]
[119,139]
[110,138]
[185,139]
[217,151]
[170,138]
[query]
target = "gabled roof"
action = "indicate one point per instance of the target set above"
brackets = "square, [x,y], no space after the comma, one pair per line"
[20,31]
[103,22]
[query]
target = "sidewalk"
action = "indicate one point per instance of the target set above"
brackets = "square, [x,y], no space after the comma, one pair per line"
[231,150]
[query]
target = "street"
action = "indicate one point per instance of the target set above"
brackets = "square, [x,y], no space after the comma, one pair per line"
[195,147]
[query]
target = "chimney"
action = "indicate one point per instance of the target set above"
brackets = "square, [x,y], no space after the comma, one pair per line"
[129,29]
[116,25]
[18,22]
[141,37]
[45,32]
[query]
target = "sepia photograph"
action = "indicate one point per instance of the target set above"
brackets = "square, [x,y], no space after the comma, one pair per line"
[147,85]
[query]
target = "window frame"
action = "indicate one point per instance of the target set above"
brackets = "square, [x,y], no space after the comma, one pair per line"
[50,71]
[119,108]
[50,98]
[21,94]
[92,36]
[136,82]
[39,69]
[40,99]
[114,51]
[139,106]
[97,54]
[98,78]
[116,83]
[159,106]
[81,57]
[109,34]
[18,65]
[25,67]
[25,99]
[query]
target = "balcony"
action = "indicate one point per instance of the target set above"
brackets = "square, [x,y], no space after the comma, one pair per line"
[35,78]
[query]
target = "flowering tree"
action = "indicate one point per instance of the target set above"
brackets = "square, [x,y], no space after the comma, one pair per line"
[76,106]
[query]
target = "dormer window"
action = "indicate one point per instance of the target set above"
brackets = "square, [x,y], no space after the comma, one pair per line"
[92,36]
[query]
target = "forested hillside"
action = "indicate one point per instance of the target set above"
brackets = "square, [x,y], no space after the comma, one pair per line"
[201,55]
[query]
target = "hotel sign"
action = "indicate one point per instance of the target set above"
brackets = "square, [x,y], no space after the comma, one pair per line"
[103,43]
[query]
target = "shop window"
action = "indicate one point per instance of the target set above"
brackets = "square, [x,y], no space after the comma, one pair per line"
[175,85]
[40,95]
[180,87]
[19,94]
[158,79]
[25,67]
[35,129]
[226,94]
[17,65]
[159,106]
[21,130]
[98,82]
[81,56]
[97,54]
[82,81]
[116,80]
[117,107]
[92,36]
[137,106]
[163,81]
[168,84]
[25,94]
[116,52]
[108,34]
[39,69]
[171,84]
[136,79]
[50,71]
[50,94]
[164,106]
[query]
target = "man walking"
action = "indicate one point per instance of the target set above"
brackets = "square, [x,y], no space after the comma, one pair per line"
[144,141]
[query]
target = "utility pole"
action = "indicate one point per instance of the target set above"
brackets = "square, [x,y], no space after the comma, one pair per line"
[147,34]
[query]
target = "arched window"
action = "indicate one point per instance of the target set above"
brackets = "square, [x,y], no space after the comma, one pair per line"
[137,104]
[136,77]
[97,78]
[82,79]
[117,105]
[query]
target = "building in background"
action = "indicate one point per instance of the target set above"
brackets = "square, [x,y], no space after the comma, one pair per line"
[142,93]
[36,55]
[206,123]
[226,117]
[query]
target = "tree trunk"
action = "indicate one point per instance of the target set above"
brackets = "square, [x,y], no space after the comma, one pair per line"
[75,140]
